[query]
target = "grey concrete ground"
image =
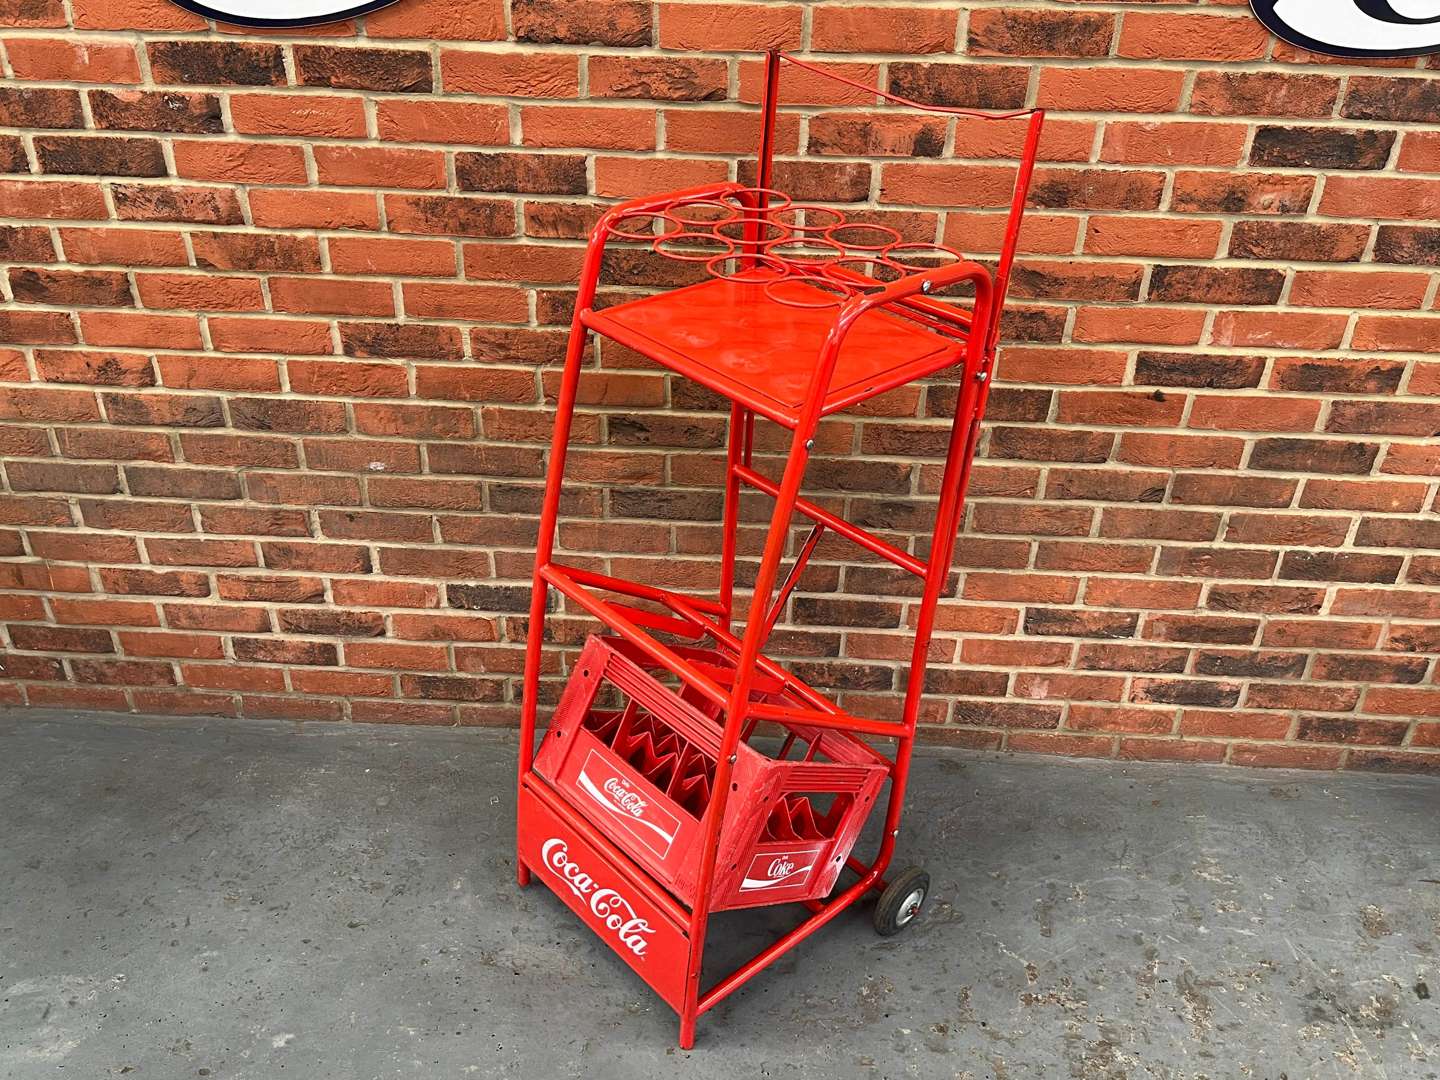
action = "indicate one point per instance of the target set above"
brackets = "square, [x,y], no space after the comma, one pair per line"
[246,901]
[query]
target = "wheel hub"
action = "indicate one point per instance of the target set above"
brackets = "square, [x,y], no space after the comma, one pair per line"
[910,906]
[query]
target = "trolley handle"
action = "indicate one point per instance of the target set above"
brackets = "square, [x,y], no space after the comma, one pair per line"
[897,292]
[922,284]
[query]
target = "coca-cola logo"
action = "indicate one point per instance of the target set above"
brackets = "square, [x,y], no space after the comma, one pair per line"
[651,824]
[1355,27]
[780,869]
[615,912]
[626,799]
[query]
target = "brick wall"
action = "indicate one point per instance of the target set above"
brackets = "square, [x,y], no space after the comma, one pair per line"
[283,311]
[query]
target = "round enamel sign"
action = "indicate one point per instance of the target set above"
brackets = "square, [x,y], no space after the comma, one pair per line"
[1355,27]
[281,12]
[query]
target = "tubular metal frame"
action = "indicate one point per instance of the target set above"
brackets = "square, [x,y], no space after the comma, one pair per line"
[695,617]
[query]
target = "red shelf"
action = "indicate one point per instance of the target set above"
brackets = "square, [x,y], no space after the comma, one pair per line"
[734,338]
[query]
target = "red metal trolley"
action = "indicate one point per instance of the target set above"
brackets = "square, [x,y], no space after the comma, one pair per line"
[646,807]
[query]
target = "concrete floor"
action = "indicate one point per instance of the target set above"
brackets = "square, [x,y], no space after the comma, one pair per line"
[248,900]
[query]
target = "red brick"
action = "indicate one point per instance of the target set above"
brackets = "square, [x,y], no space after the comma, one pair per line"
[1278,330]
[1254,414]
[200,292]
[586,126]
[603,22]
[1396,333]
[328,117]
[348,378]
[409,258]
[889,29]
[1168,237]
[1122,720]
[1115,89]
[543,75]
[729,27]
[471,20]
[1420,152]
[484,303]
[1146,36]
[122,328]
[63,199]
[305,209]
[377,166]
[188,646]
[269,335]
[448,122]
[125,247]
[1402,701]
[328,296]
[1347,289]
[240,163]
[1372,196]
[1248,193]
[56,60]
[1263,93]
[1151,142]
[1171,750]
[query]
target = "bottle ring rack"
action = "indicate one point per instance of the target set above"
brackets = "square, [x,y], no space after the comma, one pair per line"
[778,242]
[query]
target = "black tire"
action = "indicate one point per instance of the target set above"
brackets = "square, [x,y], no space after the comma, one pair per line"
[901,902]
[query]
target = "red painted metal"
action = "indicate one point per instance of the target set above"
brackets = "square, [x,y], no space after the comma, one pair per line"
[647,807]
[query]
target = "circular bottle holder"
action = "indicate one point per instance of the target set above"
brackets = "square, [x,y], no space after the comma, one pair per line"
[803,255]
[694,246]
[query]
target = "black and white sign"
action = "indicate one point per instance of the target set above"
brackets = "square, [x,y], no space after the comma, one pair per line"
[1355,27]
[282,12]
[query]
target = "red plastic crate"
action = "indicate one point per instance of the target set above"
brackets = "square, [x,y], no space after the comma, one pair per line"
[641,768]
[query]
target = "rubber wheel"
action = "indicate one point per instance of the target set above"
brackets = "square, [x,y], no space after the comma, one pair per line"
[899,905]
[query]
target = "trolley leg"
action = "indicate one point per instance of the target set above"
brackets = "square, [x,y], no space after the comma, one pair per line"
[544,549]
[737,451]
[736,709]
[964,434]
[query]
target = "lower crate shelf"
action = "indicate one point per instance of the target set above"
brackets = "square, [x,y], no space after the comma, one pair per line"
[605,889]
[640,767]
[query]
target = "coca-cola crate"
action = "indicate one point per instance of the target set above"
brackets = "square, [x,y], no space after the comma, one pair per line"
[637,758]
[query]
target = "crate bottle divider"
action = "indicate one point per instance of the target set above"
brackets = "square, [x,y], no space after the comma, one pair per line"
[805,810]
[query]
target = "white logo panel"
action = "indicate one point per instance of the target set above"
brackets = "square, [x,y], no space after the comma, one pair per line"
[647,821]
